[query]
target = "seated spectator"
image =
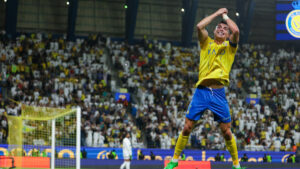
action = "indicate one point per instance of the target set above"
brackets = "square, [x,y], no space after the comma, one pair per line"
[152,156]
[112,155]
[244,158]
[217,157]
[265,158]
[183,156]
[222,158]
[141,156]
[84,153]
[291,158]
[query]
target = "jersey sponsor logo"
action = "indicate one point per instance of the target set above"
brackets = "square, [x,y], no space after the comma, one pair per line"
[213,52]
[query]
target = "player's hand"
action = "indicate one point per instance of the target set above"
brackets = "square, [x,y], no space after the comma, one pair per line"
[222,11]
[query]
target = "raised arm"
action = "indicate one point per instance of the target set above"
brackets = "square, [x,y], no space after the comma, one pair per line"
[234,37]
[202,32]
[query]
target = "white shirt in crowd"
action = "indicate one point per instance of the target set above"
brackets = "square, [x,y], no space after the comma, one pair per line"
[277,143]
[89,138]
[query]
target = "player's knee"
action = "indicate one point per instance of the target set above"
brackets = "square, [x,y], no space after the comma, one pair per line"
[227,134]
[187,130]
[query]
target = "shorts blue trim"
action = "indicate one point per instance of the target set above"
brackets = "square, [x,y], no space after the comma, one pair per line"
[213,99]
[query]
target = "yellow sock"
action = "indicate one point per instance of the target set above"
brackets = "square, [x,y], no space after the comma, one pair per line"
[231,147]
[180,145]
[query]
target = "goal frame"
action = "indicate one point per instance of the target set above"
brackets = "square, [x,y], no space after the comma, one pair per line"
[77,156]
[51,115]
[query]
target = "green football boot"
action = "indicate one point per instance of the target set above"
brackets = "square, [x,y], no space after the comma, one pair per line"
[171,165]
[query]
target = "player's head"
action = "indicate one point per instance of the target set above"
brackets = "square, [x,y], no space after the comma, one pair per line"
[127,135]
[221,32]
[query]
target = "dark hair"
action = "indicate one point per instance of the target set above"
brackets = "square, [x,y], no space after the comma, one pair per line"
[224,22]
[127,133]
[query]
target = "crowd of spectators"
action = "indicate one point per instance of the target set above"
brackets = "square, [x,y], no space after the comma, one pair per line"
[163,78]
[45,71]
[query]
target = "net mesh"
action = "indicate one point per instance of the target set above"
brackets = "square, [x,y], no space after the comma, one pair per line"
[29,137]
[43,113]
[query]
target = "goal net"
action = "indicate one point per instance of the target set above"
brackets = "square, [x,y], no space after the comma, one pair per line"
[44,137]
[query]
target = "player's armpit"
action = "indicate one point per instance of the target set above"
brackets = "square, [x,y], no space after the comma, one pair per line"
[202,34]
[204,44]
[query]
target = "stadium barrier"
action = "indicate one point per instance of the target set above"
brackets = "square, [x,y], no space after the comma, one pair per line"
[160,154]
[25,162]
[157,164]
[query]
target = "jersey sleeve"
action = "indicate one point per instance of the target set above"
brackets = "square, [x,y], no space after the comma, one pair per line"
[233,47]
[205,43]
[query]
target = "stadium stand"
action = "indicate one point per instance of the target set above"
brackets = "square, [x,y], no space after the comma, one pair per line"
[46,71]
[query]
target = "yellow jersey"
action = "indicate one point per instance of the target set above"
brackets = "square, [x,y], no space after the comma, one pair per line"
[216,61]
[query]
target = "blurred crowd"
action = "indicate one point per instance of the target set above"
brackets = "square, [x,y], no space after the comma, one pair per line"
[42,70]
[163,78]
[46,71]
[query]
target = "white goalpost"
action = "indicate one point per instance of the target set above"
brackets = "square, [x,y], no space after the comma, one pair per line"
[78,122]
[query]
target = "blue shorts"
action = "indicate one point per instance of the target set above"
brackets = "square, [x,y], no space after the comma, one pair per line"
[212,99]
